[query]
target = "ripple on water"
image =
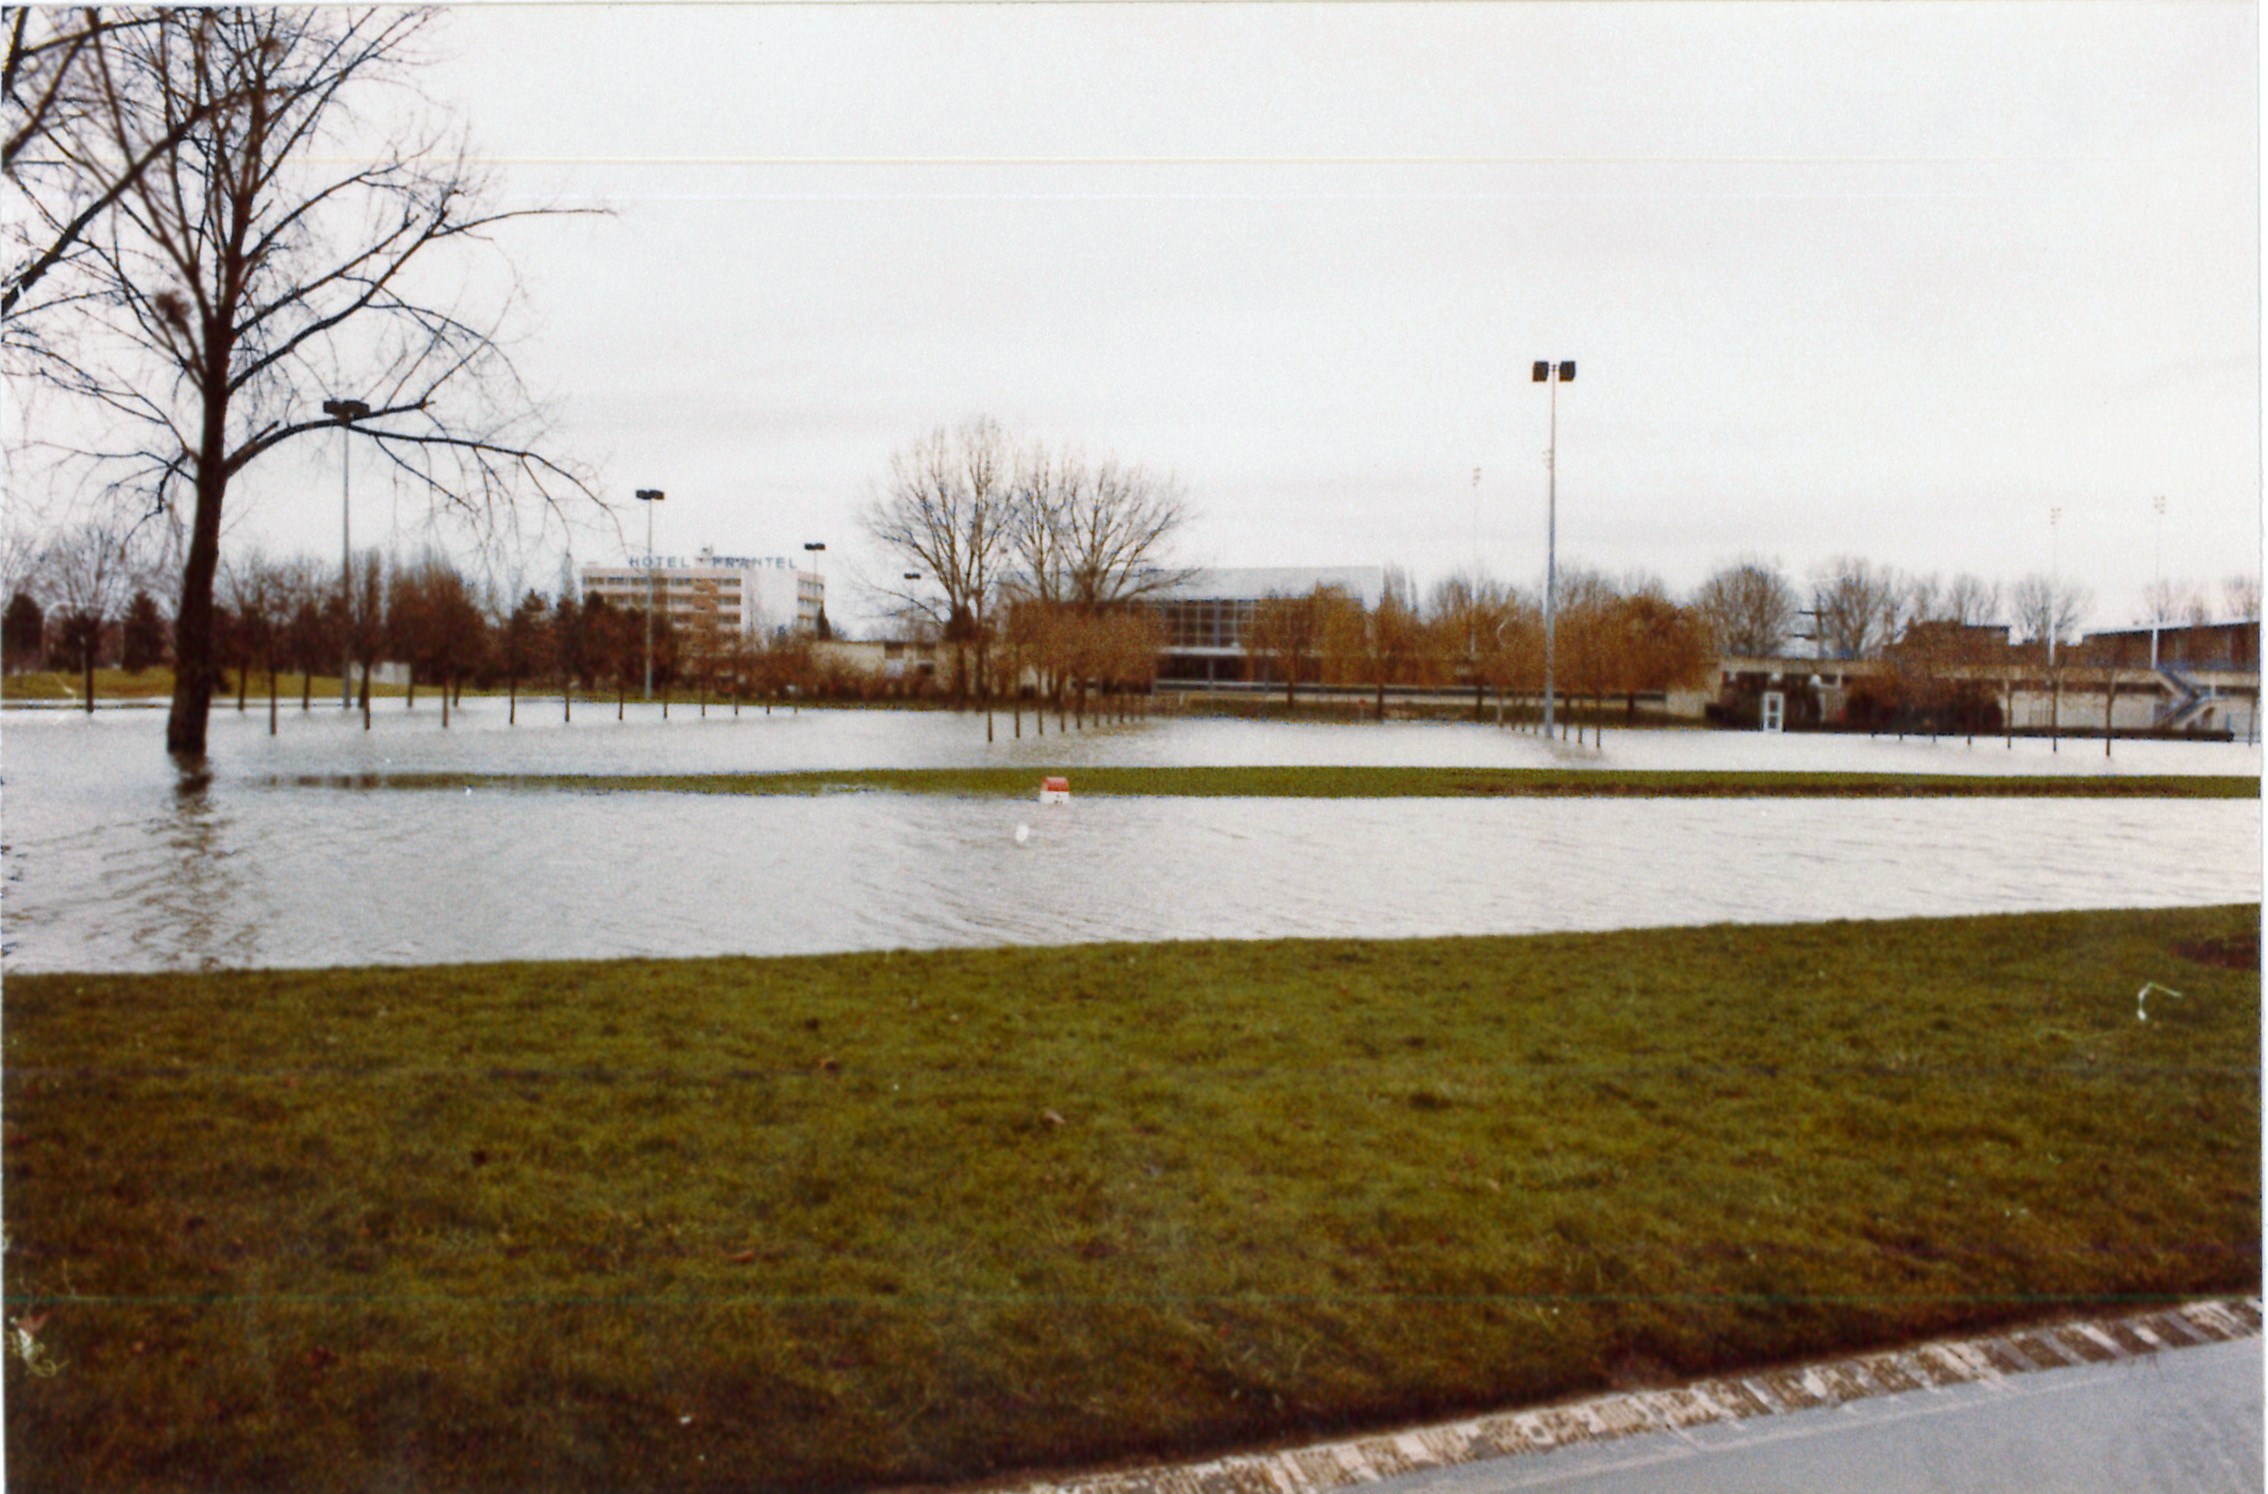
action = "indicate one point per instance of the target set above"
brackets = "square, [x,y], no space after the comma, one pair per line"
[111,866]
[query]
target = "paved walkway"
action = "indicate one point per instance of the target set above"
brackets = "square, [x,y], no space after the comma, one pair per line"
[2159,1398]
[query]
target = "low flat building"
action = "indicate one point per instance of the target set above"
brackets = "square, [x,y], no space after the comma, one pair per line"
[757,596]
[1207,615]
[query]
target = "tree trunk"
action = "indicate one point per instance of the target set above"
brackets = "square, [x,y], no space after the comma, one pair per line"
[409,697]
[444,702]
[243,683]
[1382,700]
[2110,699]
[512,697]
[193,618]
[366,695]
[306,690]
[271,697]
[87,656]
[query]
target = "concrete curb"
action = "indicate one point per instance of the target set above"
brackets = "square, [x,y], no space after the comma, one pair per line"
[1775,1392]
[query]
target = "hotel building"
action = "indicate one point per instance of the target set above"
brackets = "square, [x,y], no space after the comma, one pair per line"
[760,596]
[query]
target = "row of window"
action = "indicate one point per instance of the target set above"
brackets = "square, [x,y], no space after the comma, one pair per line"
[1206,624]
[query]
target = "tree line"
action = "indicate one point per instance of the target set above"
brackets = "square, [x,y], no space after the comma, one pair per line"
[81,602]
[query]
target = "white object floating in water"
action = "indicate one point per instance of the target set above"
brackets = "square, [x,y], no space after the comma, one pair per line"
[1023,833]
[2141,997]
[1055,791]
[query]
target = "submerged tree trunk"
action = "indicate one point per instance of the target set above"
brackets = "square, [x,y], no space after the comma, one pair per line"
[193,617]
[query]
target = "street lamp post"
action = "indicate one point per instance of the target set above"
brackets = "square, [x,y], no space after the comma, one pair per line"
[815,548]
[345,412]
[1554,374]
[2054,627]
[650,497]
[2157,577]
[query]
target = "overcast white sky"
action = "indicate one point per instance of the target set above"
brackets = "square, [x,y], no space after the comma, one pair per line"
[1892,279]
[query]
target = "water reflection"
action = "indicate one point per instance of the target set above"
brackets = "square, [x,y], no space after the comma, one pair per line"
[192,901]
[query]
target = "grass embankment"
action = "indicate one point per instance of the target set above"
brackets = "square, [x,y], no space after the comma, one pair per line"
[832,1221]
[1347,783]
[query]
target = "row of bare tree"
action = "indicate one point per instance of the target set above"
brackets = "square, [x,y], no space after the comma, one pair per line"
[1858,609]
[1610,639]
[84,601]
[1030,561]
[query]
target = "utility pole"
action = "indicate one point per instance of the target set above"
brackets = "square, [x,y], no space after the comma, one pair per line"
[346,412]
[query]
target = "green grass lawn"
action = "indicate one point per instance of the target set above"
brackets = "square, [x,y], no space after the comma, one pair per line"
[1349,783]
[871,1218]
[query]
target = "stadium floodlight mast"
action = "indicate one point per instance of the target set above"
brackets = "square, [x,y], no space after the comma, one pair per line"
[346,412]
[1554,374]
[650,497]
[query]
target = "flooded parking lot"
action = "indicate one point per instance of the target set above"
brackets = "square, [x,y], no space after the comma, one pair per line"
[113,862]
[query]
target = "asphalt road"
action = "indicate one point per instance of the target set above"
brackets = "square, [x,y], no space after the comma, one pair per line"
[2186,1420]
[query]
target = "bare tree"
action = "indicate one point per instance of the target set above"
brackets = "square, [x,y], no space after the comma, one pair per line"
[90,570]
[946,512]
[1289,633]
[2169,604]
[2048,607]
[1860,607]
[2047,610]
[2240,597]
[1393,635]
[1750,608]
[1970,600]
[274,255]
[1465,618]
[59,78]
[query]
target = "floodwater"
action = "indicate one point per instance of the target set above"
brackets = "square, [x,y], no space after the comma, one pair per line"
[113,862]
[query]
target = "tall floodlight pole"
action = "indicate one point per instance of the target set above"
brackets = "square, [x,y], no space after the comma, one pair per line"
[345,412]
[2157,577]
[1554,374]
[650,497]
